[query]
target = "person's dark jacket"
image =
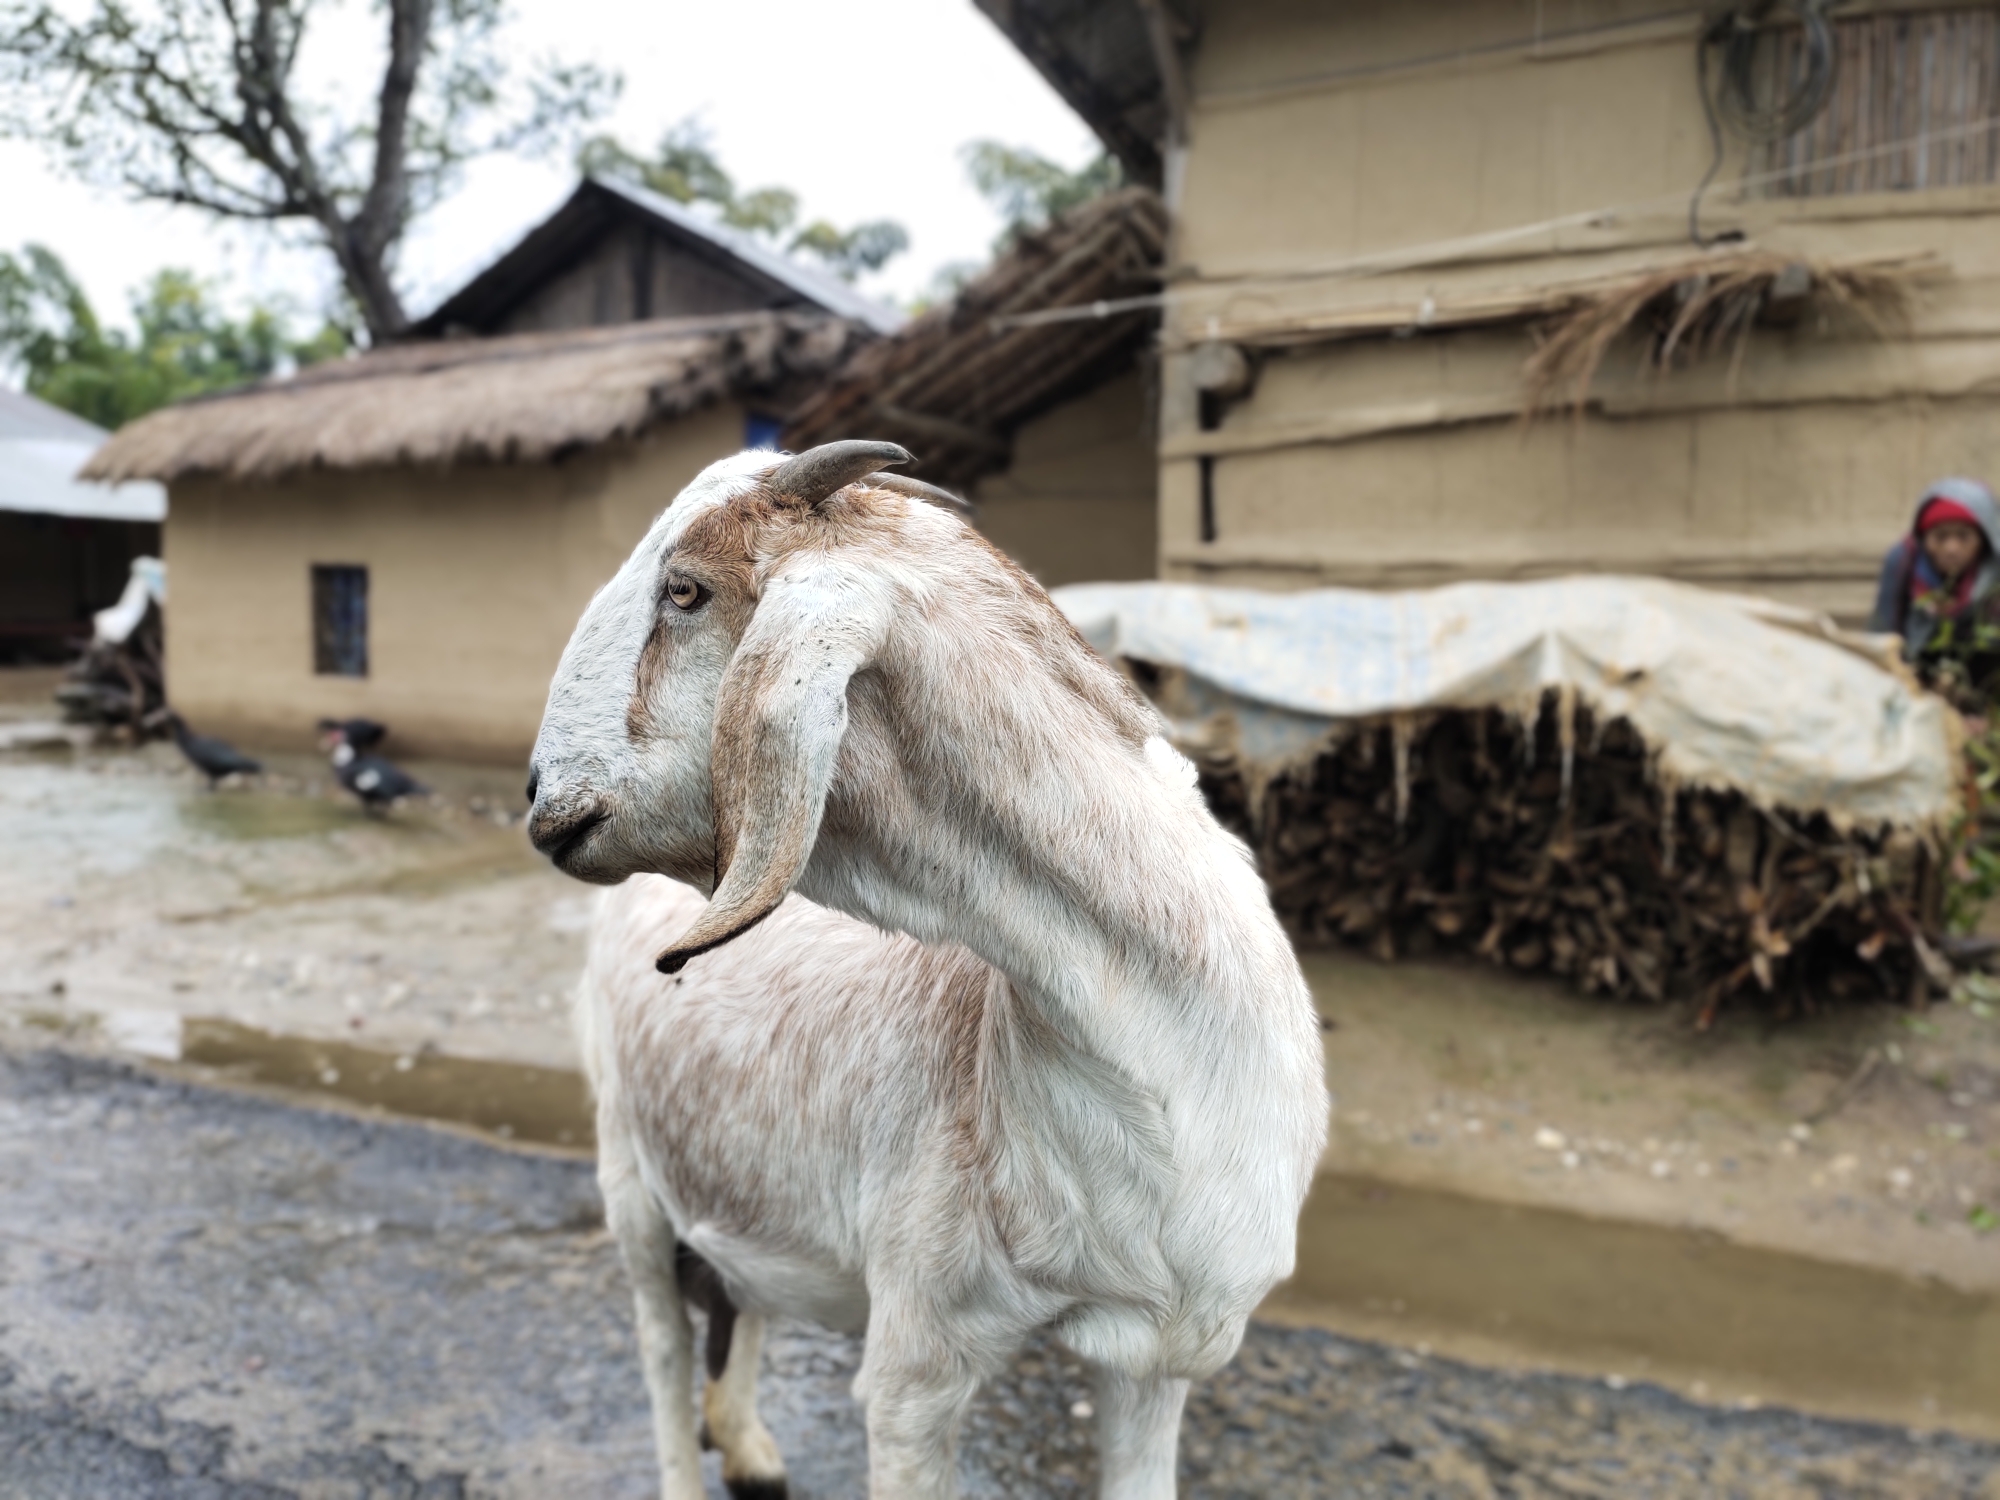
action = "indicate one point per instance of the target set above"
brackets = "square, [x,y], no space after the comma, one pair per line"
[1896,613]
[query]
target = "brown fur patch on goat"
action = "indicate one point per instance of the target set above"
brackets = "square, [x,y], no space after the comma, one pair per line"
[723,549]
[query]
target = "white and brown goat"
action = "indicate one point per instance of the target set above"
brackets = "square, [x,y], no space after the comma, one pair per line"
[1063,1074]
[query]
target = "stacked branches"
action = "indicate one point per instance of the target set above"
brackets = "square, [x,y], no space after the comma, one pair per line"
[1549,844]
[954,384]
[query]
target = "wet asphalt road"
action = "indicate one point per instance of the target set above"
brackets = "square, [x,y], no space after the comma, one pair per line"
[205,1296]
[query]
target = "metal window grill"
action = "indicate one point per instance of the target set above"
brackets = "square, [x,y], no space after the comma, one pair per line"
[340,620]
[1915,104]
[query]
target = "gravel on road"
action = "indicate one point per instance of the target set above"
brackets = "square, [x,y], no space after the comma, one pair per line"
[207,1295]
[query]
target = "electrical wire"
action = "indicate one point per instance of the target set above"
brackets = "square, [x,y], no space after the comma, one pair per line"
[1431,252]
[1534,42]
[1731,100]
[1787,114]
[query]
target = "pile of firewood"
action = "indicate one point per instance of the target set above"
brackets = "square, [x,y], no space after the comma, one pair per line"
[1551,845]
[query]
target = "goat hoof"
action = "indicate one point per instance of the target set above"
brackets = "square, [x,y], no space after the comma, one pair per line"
[756,1489]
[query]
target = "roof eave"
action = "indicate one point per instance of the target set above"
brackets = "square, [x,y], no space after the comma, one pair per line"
[1119,125]
[555,242]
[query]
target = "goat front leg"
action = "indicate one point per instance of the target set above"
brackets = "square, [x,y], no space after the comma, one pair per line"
[1138,1434]
[666,1338]
[751,1466]
[916,1385]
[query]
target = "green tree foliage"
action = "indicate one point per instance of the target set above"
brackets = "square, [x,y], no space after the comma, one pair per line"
[685,169]
[184,345]
[203,102]
[1028,190]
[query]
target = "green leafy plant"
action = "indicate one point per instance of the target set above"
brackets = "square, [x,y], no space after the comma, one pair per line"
[184,343]
[685,168]
[1028,190]
[1972,872]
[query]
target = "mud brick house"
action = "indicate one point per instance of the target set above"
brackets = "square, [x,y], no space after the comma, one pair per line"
[411,534]
[1398,227]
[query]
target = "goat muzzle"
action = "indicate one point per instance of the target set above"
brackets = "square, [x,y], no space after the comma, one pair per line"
[559,831]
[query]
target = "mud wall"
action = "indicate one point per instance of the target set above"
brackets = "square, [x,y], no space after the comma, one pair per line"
[476,577]
[1368,171]
[1078,503]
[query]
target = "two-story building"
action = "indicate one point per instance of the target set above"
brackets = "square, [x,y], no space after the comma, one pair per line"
[1398,228]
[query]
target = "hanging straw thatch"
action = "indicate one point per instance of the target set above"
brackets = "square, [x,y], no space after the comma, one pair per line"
[954,384]
[517,399]
[1697,308]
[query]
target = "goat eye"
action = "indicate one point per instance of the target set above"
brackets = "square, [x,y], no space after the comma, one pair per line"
[684,591]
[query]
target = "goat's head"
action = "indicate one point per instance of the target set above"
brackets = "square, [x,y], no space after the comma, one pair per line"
[696,716]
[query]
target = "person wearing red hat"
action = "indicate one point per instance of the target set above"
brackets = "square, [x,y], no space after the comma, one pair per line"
[1940,585]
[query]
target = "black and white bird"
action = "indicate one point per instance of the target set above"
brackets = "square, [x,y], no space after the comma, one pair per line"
[212,757]
[362,734]
[377,782]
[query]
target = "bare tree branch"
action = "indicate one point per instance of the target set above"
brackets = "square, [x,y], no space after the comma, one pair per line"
[197,102]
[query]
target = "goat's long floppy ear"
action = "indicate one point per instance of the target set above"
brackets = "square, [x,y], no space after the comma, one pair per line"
[811,476]
[779,721]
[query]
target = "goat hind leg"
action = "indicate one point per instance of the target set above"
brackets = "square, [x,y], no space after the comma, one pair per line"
[666,1338]
[1138,1434]
[751,1466]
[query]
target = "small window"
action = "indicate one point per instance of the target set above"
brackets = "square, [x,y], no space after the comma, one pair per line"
[340,620]
[762,431]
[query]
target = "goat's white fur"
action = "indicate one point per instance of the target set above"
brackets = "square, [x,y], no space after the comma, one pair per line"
[1093,1102]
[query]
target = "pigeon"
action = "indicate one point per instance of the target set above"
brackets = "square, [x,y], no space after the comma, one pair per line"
[212,757]
[377,782]
[362,734]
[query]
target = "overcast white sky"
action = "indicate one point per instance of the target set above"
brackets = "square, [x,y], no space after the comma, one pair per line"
[859,107]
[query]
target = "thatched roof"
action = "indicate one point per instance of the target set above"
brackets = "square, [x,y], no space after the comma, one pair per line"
[520,399]
[954,384]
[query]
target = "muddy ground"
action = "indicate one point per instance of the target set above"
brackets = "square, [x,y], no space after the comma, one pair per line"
[131,897]
[1870,1133]
[210,1296]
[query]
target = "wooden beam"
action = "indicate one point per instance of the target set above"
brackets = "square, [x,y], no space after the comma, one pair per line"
[944,429]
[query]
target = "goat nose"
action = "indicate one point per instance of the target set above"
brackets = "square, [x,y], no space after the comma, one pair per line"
[561,824]
[534,783]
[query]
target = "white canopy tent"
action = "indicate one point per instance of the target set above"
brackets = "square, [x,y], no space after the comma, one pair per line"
[41,449]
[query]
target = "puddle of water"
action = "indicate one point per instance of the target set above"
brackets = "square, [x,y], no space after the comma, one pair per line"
[57,823]
[1493,1282]
[1646,1300]
[516,1101]
[238,814]
[144,1033]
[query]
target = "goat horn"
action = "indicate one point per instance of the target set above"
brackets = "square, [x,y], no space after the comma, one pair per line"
[916,489]
[816,473]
